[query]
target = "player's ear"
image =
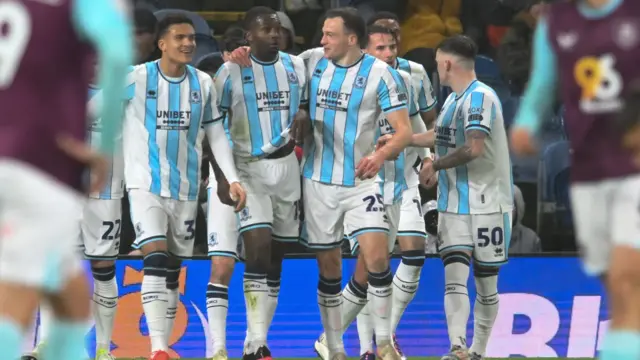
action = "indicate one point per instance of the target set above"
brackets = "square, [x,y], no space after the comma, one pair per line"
[162,45]
[248,36]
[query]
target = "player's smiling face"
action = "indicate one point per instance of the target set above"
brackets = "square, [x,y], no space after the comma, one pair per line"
[383,47]
[264,36]
[335,39]
[178,43]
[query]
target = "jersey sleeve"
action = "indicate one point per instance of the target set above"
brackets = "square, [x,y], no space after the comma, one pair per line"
[106,24]
[540,92]
[222,82]
[130,84]
[481,110]
[392,94]
[211,113]
[426,96]
[302,76]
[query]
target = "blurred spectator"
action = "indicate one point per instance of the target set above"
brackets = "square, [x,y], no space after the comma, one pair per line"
[523,239]
[145,23]
[430,22]
[514,51]
[210,63]
[232,39]
[288,37]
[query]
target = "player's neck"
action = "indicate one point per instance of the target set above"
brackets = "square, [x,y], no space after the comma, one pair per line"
[350,58]
[461,82]
[171,69]
[264,58]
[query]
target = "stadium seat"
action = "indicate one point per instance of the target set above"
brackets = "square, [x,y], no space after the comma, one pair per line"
[554,207]
[488,72]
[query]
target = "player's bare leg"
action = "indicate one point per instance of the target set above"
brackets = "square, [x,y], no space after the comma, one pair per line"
[105,300]
[623,286]
[257,243]
[354,300]
[406,279]
[15,316]
[154,295]
[456,300]
[71,308]
[173,295]
[218,303]
[375,252]
[331,301]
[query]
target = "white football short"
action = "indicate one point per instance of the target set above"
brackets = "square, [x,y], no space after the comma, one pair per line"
[39,220]
[605,214]
[156,218]
[223,238]
[332,211]
[273,188]
[486,235]
[100,229]
[405,219]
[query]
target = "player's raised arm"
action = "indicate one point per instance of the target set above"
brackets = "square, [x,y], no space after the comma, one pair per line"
[393,99]
[106,24]
[539,94]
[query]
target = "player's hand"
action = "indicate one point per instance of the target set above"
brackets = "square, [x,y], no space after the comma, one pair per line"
[431,181]
[383,140]
[369,166]
[223,192]
[427,173]
[238,195]
[522,143]
[82,152]
[301,126]
[240,56]
[631,141]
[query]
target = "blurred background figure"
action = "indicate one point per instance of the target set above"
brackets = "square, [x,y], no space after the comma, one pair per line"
[145,24]
[523,239]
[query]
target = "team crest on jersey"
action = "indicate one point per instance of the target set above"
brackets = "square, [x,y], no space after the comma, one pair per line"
[292,77]
[138,229]
[360,81]
[244,214]
[195,97]
[213,239]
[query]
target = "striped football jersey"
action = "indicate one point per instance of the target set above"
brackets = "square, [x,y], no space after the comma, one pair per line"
[485,184]
[114,187]
[420,82]
[396,175]
[345,103]
[163,130]
[261,101]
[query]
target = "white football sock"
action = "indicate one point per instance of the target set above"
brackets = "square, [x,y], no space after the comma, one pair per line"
[256,293]
[105,301]
[405,286]
[154,304]
[456,298]
[217,309]
[272,300]
[354,298]
[330,302]
[365,330]
[173,298]
[485,311]
[380,301]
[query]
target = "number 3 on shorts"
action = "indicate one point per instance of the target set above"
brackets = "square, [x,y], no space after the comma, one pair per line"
[190,229]
[488,236]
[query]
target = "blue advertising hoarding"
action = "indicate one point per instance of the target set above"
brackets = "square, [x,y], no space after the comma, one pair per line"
[548,308]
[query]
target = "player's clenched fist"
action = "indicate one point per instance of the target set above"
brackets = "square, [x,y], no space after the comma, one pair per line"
[369,166]
[238,195]
[427,173]
[522,142]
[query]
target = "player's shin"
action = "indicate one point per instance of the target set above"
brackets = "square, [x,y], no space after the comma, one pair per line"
[354,295]
[273,283]
[105,298]
[485,310]
[365,330]
[622,341]
[380,304]
[173,296]
[330,302]
[256,293]
[218,300]
[405,283]
[456,296]
[154,297]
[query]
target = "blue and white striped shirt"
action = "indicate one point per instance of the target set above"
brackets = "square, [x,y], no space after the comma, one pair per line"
[163,130]
[345,103]
[261,101]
